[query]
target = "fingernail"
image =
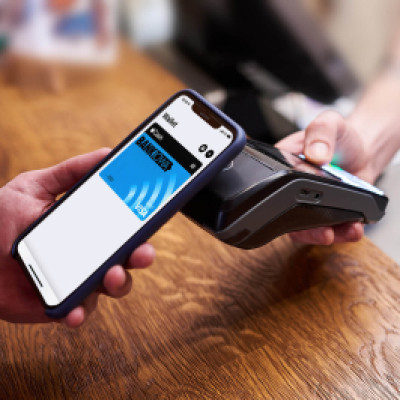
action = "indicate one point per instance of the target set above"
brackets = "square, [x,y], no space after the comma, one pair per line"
[318,151]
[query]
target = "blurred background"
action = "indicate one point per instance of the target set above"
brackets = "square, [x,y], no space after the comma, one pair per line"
[272,65]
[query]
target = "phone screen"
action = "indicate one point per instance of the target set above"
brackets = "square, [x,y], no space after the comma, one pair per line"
[78,236]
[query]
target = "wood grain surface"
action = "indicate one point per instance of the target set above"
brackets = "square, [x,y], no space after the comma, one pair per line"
[206,321]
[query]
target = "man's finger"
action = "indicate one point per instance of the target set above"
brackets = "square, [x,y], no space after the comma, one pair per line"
[321,137]
[75,318]
[142,257]
[79,314]
[319,236]
[348,232]
[117,282]
[63,176]
[293,143]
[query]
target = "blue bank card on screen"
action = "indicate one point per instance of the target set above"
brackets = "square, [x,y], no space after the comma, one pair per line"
[144,176]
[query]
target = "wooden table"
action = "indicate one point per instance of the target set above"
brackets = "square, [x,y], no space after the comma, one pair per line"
[206,321]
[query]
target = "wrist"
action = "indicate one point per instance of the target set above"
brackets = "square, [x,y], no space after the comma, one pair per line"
[377,147]
[376,121]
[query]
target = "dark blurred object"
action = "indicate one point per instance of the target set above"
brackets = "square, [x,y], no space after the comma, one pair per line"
[278,35]
[3,31]
[3,44]
[244,45]
[256,114]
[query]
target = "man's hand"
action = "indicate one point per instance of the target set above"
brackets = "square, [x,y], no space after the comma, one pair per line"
[22,201]
[327,136]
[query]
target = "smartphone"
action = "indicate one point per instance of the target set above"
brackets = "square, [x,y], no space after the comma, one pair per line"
[125,199]
[266,192]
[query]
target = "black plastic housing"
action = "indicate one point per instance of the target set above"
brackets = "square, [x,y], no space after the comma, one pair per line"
[260,196]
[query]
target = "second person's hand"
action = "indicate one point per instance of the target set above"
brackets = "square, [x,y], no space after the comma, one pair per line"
[329,136]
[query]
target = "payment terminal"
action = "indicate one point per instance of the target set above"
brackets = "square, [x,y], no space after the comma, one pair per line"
[266,192]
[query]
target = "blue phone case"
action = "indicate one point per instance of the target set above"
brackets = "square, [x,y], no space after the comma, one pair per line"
[163,215]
